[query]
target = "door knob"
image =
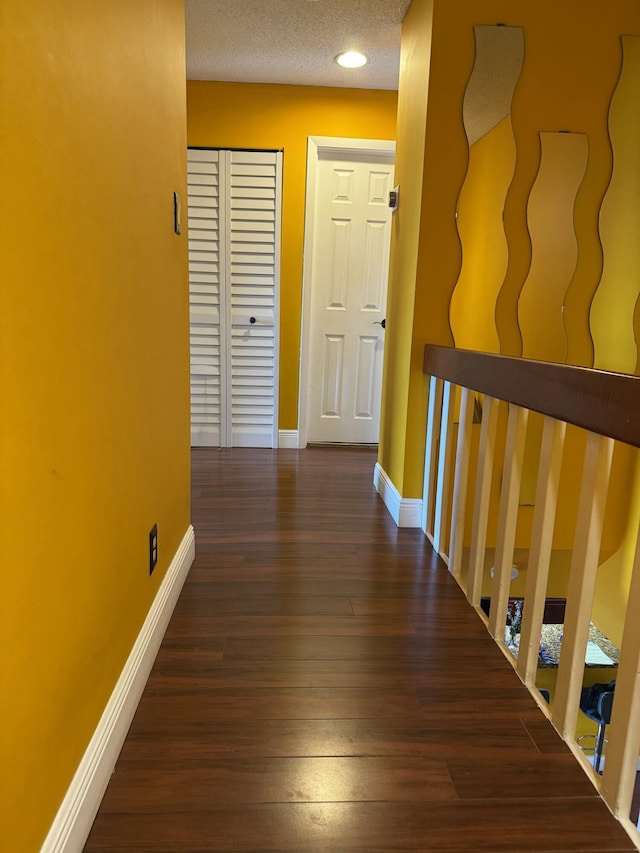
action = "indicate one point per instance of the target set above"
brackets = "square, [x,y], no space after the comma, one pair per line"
[382,323]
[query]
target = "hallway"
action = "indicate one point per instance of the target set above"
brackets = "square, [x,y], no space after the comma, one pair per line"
[324,686]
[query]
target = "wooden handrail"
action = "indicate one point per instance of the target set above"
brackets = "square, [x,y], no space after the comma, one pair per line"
[597,400]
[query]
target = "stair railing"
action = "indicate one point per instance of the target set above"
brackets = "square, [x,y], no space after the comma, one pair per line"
[475,386]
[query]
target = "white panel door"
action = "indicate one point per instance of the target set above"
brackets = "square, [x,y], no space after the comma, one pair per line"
[350,265]
[234,269]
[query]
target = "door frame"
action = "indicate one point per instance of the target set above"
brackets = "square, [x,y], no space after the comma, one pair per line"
[317,145]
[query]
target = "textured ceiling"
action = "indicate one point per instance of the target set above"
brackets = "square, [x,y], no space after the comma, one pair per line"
[294,41]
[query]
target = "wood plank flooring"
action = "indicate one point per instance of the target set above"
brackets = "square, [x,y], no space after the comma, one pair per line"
[324,687]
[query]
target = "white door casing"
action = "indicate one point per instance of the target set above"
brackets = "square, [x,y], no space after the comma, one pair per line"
[347,238]
[234,270]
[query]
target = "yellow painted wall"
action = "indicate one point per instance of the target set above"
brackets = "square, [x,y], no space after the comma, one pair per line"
[94,385]
[614,574]
[612,310]
[415,62]
[249,115]
[571,66]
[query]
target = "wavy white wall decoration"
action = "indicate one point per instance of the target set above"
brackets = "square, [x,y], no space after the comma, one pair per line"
[486,112]
[554,248]
[614,333]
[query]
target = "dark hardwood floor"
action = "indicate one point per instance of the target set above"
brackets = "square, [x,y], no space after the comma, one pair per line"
[324,686]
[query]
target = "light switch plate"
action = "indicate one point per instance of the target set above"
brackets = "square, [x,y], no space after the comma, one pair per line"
[176,213]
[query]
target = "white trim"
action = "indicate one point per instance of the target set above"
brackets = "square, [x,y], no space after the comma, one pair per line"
[277,243]
[406,512]
[226,315]
[72,824]
[288,439]
[315,146]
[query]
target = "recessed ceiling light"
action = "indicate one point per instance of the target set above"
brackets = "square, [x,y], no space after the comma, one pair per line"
[352,59]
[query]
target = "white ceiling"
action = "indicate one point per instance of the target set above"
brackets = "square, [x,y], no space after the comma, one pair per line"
[294,41]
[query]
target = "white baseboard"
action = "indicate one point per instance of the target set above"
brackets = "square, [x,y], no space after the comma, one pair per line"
[406,512]
[288,439]
[72,824]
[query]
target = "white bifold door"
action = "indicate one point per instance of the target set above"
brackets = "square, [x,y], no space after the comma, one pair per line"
[234,267]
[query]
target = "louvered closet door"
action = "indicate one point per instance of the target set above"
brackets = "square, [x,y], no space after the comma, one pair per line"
[208,414]
[253,267]
[247,247]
